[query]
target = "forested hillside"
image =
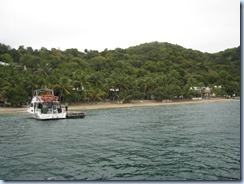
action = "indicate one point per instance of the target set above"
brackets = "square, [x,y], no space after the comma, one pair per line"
[149,71]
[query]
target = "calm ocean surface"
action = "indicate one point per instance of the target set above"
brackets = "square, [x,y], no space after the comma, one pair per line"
[178,142]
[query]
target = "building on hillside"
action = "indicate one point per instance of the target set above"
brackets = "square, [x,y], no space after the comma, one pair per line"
[205,92]
[4,63]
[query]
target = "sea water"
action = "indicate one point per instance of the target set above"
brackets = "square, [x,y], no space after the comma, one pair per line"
[177,142]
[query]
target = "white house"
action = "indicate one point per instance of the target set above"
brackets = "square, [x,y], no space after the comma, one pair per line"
[3,63]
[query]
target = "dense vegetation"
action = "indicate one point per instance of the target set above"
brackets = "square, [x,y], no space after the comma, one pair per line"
[149,71]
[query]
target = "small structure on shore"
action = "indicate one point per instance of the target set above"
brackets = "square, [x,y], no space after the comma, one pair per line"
[204,92]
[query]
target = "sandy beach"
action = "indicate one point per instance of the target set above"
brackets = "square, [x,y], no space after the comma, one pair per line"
[109,105]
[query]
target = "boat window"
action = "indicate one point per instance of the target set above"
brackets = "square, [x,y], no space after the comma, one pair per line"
[39,106]
[31,104]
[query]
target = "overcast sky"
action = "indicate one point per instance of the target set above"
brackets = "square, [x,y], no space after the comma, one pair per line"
[205,25]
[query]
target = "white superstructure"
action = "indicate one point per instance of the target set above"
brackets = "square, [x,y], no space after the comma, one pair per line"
[45,105]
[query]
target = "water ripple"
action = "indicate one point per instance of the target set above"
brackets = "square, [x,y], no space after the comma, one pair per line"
[185,142]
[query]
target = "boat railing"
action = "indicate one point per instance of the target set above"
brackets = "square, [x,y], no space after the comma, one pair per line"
[51,110]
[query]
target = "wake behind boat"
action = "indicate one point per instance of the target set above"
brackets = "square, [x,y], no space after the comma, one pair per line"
[45,105]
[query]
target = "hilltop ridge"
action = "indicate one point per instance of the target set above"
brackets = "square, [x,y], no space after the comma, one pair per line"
[147,71]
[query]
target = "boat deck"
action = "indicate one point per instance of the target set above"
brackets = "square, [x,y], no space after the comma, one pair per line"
[74,115]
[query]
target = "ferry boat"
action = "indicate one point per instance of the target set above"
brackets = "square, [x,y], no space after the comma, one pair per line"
[45,105]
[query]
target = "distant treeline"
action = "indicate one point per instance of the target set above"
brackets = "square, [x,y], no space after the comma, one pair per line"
[154,70]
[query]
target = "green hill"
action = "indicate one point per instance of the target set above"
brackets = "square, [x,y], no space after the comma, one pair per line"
[148,71]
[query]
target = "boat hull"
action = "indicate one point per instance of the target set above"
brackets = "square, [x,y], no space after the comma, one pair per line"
[40,116]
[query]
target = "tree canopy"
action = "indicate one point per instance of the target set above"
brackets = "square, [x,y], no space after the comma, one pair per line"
[148,71]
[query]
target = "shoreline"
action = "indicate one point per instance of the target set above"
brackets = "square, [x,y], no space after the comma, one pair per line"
[109,105]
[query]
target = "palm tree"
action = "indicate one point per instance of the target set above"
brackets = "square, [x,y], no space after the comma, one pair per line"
[63,86]
[44,69]
[125,96]
[80,79]
[99,94]
[88,92]
[31,82]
